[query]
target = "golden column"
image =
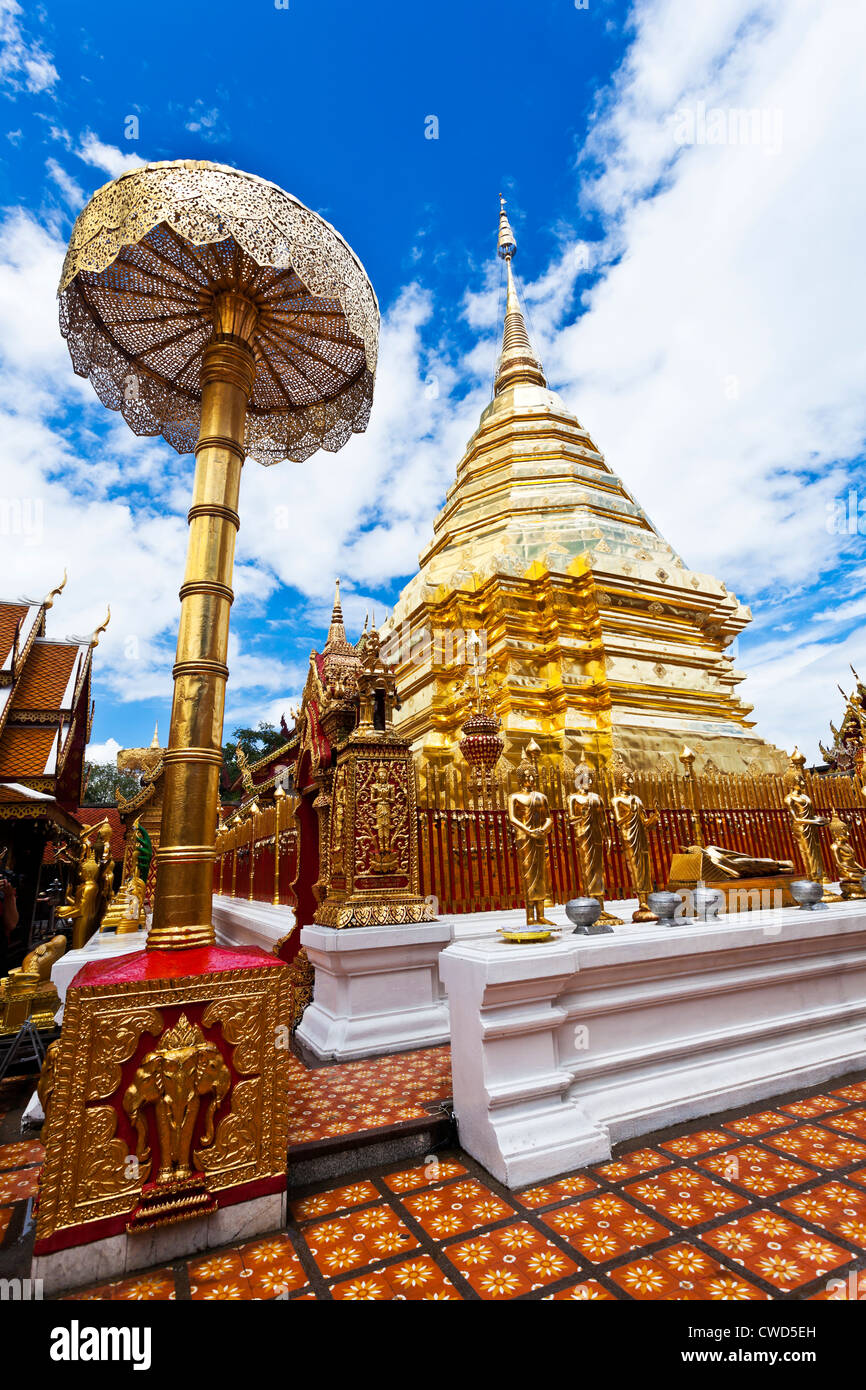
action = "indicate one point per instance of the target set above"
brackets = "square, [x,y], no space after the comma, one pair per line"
[193,759]
[214,309]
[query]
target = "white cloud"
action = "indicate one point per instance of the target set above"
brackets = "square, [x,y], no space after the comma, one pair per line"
[207,122]
[24,64]
[103,752]
[720,358]
[72,192]
[106,157]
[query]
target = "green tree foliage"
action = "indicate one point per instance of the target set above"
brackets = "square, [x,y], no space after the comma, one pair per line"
[102,781]
[264,738]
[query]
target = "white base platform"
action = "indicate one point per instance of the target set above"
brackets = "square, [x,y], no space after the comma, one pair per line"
[377,990]
[562,1049]
[115,1257]
[101,946]
[241,923]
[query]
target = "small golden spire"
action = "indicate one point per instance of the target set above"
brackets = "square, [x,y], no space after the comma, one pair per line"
[154,742]
[518,364]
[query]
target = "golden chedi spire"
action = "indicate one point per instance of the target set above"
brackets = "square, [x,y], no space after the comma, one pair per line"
[337,628]
[517,362]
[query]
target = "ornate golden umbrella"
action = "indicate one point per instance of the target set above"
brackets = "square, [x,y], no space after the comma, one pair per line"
[212,308]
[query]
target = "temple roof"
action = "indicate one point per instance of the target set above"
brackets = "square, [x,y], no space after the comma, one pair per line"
[44,702]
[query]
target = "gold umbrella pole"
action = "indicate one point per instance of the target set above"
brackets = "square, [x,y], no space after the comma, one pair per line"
[193,759]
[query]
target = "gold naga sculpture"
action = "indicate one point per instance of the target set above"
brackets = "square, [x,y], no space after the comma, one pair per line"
[27,992]
[850,872]
[806,825]
[587,815]
[529,815]
[633,822]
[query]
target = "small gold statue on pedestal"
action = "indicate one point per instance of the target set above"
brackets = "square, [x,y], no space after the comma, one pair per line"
[849,870]
[633,822]
[586,813]
[529,815]
[83,909]
[805,825]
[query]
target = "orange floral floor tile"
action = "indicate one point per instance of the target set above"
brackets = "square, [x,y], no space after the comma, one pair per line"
[693,1144]
[852,1123]
[683,1272]
[634,1165]
[357,1239]
[855,1092]
[766,1204]
[762,1122]
[431,1172]
[552,1192]
[272,1267]
[327,1102]
[20,1155]
[758,1171]
[813,1106]
[588,1290]
[159,1286]
[820,1147]
[417,1279]
[219,1276]
[324,1203]
[16,1186]
[457,1207]
[510,1261]
[600,1228]
[778,1249]
[836,1207]
[842,1288]
[685,1197]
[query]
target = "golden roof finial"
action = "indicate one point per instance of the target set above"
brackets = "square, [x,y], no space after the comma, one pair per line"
[154,742]
[48,601]
[94,641]
[518,364]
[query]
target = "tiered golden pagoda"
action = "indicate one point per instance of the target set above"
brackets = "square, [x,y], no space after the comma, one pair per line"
[598,636]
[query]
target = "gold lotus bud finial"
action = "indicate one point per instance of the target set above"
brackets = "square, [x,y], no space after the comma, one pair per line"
[687,758]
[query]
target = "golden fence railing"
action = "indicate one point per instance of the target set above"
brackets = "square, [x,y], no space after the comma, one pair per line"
[257,857]
[466,848]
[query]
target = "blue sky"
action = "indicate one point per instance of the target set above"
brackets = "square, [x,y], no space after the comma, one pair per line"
[694,286]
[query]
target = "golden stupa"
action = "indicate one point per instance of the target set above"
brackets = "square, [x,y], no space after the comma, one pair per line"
[598,638]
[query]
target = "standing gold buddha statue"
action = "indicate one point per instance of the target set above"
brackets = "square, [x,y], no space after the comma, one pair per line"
[806,825]
[633,822]
[586,814]
[529,815]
